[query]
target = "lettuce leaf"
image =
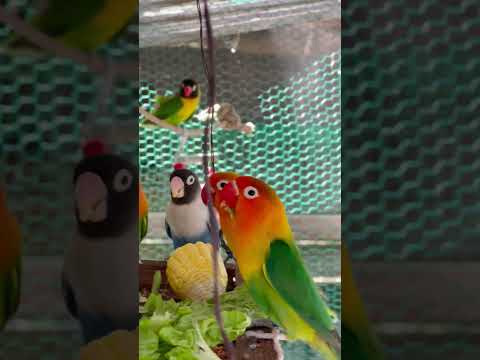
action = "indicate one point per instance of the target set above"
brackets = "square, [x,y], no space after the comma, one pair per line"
[188,330]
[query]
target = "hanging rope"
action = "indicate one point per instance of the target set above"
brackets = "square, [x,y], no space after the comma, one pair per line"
[208,63]
[209,69]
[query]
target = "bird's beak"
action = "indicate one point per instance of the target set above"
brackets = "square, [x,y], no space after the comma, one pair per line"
[187,91]
[229,197]
[91,198]
[177,187]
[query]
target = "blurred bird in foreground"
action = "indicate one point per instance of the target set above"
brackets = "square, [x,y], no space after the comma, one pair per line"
[10,262]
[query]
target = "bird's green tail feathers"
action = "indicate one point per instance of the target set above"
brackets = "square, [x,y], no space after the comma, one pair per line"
[327,351]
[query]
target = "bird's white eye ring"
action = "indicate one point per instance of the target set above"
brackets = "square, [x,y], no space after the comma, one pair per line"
[250,192]
[123,180]
[190,180]
[221,184]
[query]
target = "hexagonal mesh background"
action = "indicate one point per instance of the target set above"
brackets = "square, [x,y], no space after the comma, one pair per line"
[294,106]
[46,106]
[411,92]
[45,110]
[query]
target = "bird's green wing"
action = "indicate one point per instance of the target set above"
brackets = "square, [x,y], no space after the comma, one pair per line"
[286,272]
[167,106]
[10,283]
[60,17]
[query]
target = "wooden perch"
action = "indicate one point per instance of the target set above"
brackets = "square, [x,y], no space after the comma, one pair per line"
[185,132]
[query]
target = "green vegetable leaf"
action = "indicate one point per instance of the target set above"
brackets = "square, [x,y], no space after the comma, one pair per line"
[188,330]
[160,320]
[157,281]
[176,337]
[235,323]
[148,342]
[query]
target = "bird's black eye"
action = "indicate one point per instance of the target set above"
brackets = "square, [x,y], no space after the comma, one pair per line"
[123,180]
[250,192]
[221,184]
[190,180]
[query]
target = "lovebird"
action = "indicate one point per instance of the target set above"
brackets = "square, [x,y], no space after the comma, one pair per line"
[10,262]
[359,340]
[100,271]
[142,212]
[256,228]
[85,25]
[187,219]
[177,109]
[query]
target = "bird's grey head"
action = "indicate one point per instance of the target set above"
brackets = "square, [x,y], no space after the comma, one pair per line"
[184,186]
[106,195]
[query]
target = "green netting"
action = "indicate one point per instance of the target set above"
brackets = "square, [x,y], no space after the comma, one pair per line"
[410,81]
[296,111]
[46,105]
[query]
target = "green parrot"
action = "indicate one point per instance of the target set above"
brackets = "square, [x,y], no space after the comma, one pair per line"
[176,109]
[10,263]
[358,339]
[85,25]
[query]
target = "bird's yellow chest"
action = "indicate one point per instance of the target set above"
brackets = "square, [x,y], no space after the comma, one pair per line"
[188,108]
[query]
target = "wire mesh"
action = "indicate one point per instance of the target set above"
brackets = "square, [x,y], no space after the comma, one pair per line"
[410,91]
[294,106]
[46,107]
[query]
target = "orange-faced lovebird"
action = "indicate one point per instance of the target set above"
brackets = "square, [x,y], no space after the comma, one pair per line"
[10,262]
[359,340]
[256,228]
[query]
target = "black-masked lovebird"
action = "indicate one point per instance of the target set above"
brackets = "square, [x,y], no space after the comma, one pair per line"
[100,278]
[359,339]
[85,25]
[177,109]
[187,218]
[256,228]
[10,262]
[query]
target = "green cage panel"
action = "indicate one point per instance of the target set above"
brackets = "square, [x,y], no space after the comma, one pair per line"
[410,90]
[296,111]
